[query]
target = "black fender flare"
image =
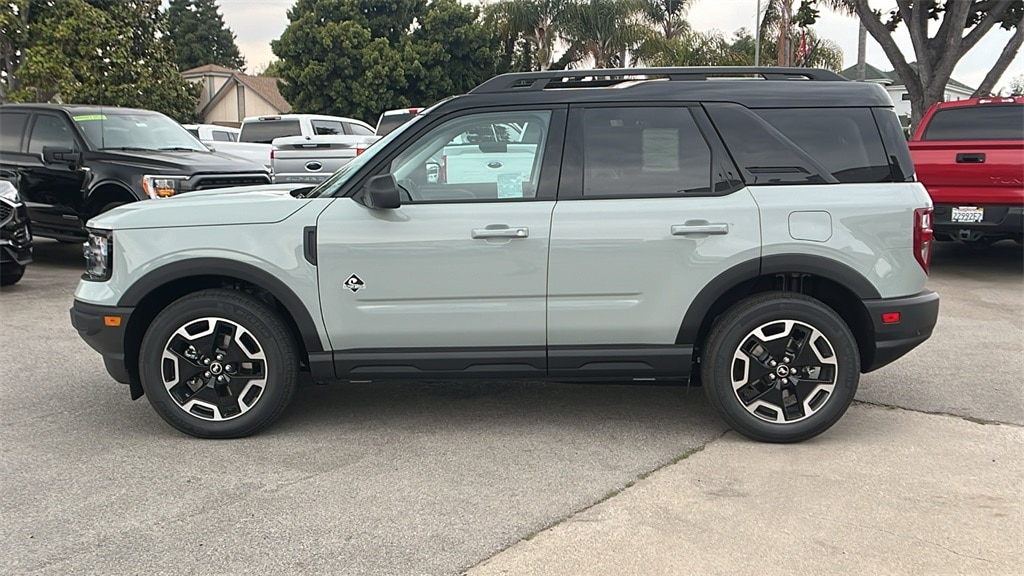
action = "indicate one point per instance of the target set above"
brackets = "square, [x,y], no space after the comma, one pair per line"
[181,269]
[750,270]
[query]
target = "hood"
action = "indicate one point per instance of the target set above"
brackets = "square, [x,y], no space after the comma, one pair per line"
[181,162]
[222,206]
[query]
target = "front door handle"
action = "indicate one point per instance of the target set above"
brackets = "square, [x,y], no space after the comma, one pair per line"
[699,228]
[502,232]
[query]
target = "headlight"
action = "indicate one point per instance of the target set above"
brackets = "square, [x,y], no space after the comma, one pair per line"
[98,250]
[161,186]
[9,192]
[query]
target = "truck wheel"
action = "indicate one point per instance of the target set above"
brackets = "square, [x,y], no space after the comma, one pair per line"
[218,364]
[11,274]
[780,367]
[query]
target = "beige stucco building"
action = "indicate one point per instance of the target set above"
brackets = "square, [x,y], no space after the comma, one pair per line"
[228,95]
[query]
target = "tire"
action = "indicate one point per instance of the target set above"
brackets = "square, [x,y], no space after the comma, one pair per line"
[820,376]
[11,274]
[229,396]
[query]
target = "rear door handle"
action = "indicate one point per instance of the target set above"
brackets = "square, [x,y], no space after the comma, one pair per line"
[970,158]
[502,232]
[699,228]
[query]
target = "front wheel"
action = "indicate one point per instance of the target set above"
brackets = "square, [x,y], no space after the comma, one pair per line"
[218,364]
[11,274]
[780,367]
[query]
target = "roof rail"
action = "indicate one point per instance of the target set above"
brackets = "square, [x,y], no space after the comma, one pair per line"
[522,81]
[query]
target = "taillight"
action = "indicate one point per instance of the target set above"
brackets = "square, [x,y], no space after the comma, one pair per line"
[360,150]
[923,237]
[271,154]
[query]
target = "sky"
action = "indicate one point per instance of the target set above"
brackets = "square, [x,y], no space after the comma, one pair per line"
[257,22]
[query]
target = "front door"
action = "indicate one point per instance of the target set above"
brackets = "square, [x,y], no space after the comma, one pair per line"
[454,281]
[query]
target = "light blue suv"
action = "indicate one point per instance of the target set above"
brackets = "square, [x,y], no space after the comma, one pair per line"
[761,235]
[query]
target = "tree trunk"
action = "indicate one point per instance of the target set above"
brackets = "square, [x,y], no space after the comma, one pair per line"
[862,47]
[1002,63]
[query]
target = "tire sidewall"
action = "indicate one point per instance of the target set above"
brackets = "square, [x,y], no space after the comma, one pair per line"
[281,364]
[724,343]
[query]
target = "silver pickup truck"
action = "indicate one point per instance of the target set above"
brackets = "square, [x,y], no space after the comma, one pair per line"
[308,147]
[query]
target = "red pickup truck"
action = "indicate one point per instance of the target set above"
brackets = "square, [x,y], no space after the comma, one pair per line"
[969,154]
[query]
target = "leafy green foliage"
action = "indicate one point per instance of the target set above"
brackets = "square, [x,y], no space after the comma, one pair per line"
[109,53]
[199,36]
[357,58]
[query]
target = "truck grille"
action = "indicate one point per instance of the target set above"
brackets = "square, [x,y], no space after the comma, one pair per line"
[208,182]
[5,212]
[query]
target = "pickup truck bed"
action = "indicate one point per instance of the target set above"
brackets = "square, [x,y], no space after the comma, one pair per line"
[969,154]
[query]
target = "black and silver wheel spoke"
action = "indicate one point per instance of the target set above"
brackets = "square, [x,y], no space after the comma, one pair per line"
[784,371]
[214,369]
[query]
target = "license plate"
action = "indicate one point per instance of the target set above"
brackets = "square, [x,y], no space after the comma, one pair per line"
[968,214]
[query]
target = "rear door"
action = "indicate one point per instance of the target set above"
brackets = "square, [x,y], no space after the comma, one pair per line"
[646,218]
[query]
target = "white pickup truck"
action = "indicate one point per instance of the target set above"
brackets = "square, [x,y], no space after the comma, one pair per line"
[225,139]
[308,147]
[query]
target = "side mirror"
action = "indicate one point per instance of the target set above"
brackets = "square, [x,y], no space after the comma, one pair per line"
[382,193]
[60,155]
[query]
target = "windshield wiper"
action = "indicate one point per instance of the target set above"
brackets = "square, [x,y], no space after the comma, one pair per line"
[132,148]
[179,149]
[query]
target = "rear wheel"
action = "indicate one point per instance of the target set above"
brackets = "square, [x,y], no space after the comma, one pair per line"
[780,367]
[218,364]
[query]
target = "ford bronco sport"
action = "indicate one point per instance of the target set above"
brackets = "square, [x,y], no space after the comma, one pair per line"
[756,230]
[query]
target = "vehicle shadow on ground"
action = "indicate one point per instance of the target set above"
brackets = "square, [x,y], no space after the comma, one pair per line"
[57,254]
[1003,259]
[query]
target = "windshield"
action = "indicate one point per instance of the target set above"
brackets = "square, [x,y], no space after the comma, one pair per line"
[136,131]
[331,186]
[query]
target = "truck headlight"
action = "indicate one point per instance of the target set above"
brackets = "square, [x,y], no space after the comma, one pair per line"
[98,252]
[161,186]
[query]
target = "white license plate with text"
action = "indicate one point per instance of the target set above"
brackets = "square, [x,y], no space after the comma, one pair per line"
[968,214]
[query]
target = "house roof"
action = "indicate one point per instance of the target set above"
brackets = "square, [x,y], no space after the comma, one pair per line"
[264,86]
[872,74]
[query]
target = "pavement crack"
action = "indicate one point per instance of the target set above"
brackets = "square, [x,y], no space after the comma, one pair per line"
[891,533]
[972,419]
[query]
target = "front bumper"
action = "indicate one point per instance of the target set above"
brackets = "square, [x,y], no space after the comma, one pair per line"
[1001,221]
[15,235]
[93,326]
[918,315]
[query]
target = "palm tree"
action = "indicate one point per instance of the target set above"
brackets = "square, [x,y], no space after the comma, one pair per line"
[668,16]
[779,17]
[603,31]
[536,21]
[691,48]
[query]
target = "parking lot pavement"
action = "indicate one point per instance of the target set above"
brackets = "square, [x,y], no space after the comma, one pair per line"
[432,479]
[889,492]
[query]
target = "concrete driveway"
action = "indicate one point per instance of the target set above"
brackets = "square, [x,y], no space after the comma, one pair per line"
[435,479]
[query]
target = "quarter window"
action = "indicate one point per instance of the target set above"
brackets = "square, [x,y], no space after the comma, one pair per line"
[845,141]
[462,159]
[643,152]
[50,131]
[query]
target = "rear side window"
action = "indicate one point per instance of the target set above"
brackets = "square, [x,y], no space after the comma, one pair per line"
[265,131]
[327,128]
[763,154]
[982,122]
[11,128]
[845,141]
[358,129]
[643,152]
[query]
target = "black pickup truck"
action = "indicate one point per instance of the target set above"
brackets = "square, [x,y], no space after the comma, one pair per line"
[74,162]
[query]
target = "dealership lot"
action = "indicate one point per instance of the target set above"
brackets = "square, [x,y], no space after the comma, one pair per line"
[399,478]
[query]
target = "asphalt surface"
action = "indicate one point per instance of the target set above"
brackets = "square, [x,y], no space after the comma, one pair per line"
[392,478]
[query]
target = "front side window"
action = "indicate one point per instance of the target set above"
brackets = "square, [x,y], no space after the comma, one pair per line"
[491,156]
[643,152]
[50,131]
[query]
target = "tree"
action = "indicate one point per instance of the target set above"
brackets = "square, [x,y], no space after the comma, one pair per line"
[604,30]
[691,48]
[359,57]
[79,52]
[962,24]
[199,36]
[1017,85]
[535,21]
[668,16]
[777,23]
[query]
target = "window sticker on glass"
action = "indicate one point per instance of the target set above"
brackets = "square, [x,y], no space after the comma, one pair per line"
[510,185]
[88,117]
[660,148]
